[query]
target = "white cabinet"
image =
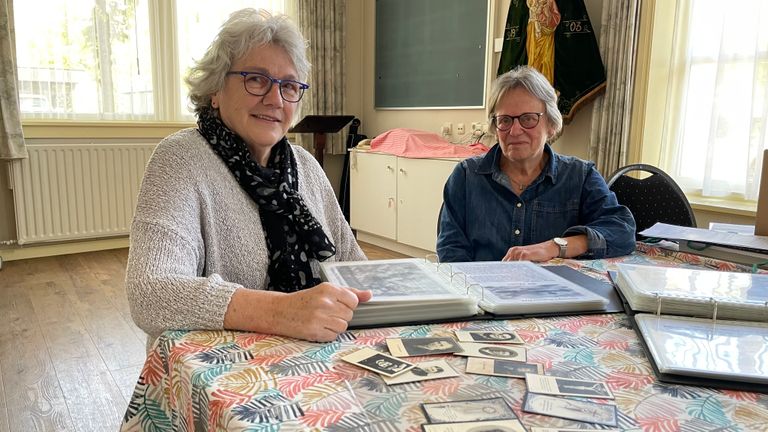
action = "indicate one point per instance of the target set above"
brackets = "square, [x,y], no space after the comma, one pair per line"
[395,201]
[373,193]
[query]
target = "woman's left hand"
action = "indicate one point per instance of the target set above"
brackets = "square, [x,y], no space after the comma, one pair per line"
[539,252]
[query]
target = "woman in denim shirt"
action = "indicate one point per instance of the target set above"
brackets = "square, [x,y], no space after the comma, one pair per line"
[523,201]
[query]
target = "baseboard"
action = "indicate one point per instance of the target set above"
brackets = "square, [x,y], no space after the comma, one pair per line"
[45,250]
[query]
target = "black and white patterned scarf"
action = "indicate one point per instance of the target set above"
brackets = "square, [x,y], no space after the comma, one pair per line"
[293,234]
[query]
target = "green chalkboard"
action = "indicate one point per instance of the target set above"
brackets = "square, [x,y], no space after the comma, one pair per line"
[430,53]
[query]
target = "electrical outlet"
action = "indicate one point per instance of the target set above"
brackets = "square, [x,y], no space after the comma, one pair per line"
[447,129]
[476,127]
[460,129]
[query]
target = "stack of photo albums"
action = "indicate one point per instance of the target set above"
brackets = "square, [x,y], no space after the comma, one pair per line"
[700,327]
[414,290]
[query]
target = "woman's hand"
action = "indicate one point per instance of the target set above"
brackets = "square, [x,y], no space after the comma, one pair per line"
[546,250]
[319,313]
[539,252]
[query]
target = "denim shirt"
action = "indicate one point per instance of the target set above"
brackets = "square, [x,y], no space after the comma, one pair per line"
[482,217]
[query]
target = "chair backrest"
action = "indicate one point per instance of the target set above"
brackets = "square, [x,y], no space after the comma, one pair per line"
[656,198]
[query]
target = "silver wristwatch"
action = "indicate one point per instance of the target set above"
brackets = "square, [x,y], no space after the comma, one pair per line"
[562,244]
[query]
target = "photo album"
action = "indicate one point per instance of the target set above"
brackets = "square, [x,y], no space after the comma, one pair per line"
[700,327]
[694,292]
[414,290]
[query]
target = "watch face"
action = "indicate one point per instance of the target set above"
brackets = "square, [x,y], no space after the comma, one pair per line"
[560,241]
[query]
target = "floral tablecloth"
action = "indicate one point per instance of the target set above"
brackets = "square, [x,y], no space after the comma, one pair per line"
[236,381]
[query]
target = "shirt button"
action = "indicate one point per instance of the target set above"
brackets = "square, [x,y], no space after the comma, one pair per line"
[519,205]
[517,232]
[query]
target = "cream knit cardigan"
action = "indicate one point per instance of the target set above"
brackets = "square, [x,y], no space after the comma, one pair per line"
[196,236]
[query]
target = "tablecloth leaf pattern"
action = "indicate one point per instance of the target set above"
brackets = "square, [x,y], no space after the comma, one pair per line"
[235,381]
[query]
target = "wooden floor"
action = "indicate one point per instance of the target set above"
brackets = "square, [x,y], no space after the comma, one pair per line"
[69,351]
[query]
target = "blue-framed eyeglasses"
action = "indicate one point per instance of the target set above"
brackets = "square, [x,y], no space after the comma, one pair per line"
[259,84]
[526,120]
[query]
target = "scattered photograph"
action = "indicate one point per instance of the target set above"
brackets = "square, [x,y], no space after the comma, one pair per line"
[424,371]
[570,409]
[378,362]
[407,347]
[479,426]
[558,386]
[468,410]
[503,368]
[471,349]
[497,337]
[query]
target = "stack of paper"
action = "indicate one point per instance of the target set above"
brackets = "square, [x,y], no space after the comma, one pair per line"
[722,241]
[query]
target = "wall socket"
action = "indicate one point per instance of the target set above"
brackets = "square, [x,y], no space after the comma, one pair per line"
[447,129]
[460,129]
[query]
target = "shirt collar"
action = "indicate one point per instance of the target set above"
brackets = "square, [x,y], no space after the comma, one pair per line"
[489,164]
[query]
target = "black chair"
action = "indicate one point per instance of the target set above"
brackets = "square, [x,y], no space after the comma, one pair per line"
[656,198]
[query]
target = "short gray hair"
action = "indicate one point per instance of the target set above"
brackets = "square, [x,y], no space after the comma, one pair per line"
[536,84]
[243,30]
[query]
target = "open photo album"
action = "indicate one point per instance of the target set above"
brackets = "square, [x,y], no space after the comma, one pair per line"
[417,290]
[724,350]
[700,327]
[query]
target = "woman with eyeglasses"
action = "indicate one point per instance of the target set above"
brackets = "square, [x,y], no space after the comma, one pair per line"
[232,219]
[523,201]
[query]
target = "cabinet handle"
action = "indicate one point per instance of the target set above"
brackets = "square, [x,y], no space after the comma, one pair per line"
[389,168]
[402,171]
[390,202]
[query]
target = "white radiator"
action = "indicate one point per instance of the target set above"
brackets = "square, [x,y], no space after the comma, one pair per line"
[68,191]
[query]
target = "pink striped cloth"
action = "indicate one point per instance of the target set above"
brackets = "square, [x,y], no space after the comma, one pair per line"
[414,143]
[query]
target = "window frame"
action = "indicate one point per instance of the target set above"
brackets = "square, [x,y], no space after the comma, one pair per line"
[168,114]
[653,68]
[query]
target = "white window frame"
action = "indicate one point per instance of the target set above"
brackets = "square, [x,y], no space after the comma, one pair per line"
[169,115]
[653,69]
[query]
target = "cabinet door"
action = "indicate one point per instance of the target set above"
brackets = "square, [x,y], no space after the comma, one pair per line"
[373,193]
[420,194]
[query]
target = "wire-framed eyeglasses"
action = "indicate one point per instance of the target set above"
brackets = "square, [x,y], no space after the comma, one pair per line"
[527,121]
[259,84]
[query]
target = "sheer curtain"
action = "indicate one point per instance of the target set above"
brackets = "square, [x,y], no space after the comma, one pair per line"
[11,135]
[717,104]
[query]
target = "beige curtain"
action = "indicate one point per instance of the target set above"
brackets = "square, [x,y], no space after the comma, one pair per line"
[11,136]
[609,138]
[322,24]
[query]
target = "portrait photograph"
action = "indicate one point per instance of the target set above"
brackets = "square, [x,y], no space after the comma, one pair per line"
[407,347]
[485,350]
[499,337]
[423,371]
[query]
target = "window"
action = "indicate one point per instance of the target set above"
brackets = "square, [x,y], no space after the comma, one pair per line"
[714,109]
[114,59]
